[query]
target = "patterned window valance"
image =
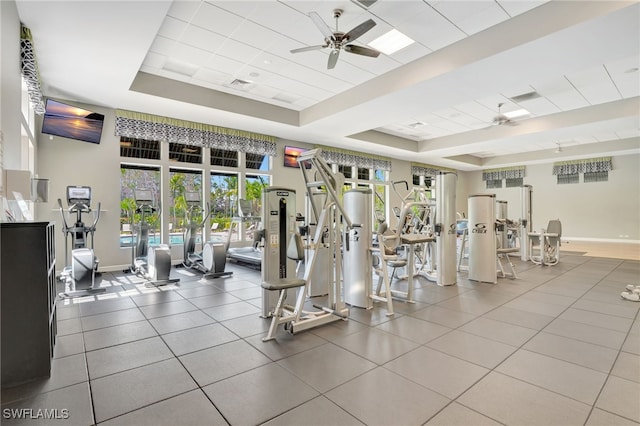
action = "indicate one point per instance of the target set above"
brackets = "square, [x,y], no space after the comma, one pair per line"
[590,165]
[419,169]
[344,157]
[504,173]
[153,127]
[29,68]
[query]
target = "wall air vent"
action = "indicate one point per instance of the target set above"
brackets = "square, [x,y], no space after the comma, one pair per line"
[525,97]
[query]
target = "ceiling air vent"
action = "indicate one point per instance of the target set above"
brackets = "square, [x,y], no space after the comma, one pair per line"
[239,83]
[525,97]
[365,3]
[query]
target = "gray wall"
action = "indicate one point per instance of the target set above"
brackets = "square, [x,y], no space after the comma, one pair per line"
[606,211]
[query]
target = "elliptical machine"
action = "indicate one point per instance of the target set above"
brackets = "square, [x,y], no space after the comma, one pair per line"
[151,262]
[212,260]
[79,276]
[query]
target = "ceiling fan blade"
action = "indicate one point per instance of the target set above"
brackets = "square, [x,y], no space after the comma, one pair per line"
[360,50]
[308,48]
[359,30]
[333,58]
[322,26]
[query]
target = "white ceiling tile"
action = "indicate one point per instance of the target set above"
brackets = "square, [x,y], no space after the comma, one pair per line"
[411,53]
[514,8]
[476,110]
[239,51]
[203,39]
[184,10]
[224,65]
[624,77]
[191,54]
[561,93]
[539,106]
[154,60]
[256,35]
[172,28]
[214,77]
[483,19]
[431,29]
[628,133]
[163,46]
[238,8]
[595,85]
[215,19]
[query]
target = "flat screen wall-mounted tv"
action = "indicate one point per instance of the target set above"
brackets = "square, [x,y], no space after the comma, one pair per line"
[291,154]
[72,122]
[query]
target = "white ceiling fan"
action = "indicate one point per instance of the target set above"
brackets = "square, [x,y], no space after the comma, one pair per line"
[337,40]
[501,119]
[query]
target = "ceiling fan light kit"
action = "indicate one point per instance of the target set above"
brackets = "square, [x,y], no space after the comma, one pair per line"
[337,40]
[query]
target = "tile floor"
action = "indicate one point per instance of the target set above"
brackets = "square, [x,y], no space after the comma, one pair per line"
[558,346]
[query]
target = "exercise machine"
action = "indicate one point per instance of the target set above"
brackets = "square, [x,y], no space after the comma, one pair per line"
[80,275]
[332,226]
[548,243]
[211,261]
[150,262]
[482,238]
[251,255]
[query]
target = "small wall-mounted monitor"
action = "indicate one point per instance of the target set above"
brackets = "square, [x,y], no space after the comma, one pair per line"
[291,154]
[72,122]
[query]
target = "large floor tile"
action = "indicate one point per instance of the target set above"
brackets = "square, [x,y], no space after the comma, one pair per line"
[332,366]
[456,414]
[565,378]
[177,322]
[611,322]
[170,308]
[381,397]
[110,319]
[375,345]
[189,409]
[130,390]
[627,366]
[285,344]
[599,358]
[499,331]
[446,317]
[437,371]
[197,338]
[414,329]
[104,306]
[113,359]
[319,412]
[214,299]
[266,391]
[70,344]
[621,396]
[65,372]
[587,333]
[602,418]
[519,317]
[156,297]
[116,335]
[232,310]
[248,325]
[472,348]
[223,361]
[513,402]
[70,405]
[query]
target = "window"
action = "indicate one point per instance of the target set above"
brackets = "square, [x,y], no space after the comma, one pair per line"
[417,180]
[347,171]
[139,148]
[596,176]
[185,153]
[253,193]
[364,174]
[180,182]
[224,204]
[222,157]
[568,179]
[137,177]
[257,161]
[494,183]
[514,182]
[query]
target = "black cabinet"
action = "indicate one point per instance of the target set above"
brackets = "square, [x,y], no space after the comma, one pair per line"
[28,300]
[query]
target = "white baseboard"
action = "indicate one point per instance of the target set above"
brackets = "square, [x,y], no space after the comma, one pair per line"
[601,240]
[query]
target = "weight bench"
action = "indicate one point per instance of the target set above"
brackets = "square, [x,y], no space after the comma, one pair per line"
[295,251]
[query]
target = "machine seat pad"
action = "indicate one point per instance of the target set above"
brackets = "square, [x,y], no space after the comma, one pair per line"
[283,283]
[508,250]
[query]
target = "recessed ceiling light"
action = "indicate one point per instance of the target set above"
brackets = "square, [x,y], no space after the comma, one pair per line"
[417,124]
[517,113]
[254,74]
[630,70]
[391,42]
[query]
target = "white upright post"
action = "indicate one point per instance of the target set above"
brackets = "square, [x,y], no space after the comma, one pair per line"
[356,250]
[502,213]
[482,238]
[526,222]
[446,238]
